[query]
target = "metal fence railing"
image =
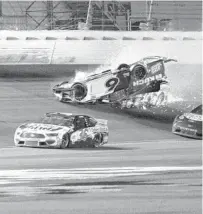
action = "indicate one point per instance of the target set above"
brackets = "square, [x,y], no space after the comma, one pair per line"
[156,15]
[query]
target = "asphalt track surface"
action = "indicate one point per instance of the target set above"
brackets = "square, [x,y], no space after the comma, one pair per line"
[143,169]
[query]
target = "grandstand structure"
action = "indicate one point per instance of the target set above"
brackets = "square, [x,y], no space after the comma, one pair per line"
[101,15]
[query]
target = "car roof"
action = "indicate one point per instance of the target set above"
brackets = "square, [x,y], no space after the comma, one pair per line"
[197,107]
[64,114]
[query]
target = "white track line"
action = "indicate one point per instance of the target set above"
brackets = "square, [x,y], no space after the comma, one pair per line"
[103,169]
[10,176]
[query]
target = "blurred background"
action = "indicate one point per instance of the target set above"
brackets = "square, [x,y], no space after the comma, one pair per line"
[101,15]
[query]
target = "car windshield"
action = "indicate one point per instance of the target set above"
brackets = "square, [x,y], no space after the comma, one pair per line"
[197,110]
[57,120]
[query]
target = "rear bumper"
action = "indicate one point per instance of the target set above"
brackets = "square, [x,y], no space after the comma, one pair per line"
[61,97]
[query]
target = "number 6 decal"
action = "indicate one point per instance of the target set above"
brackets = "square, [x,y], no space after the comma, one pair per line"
[112,83]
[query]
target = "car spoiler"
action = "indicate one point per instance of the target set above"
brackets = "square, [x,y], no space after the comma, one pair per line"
[155,58]
[102,122]
[169,60]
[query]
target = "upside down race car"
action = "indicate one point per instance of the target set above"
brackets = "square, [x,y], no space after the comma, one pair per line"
[189,124]
[61,130]
[116,86]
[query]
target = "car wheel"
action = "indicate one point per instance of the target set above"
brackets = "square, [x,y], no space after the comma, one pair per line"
[59,97]
[99,101]
[97,140]
[64,142]
[123,65]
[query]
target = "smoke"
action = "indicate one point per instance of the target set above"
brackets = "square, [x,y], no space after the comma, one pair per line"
[173,98]
[185,81]
[80,75]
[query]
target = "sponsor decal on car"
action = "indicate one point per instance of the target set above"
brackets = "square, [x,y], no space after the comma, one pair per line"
[155,68]
[82,135]
[127,74]
[43,127]
[188,131]
[99,129]
[148,79]
[75,137]
[195,117]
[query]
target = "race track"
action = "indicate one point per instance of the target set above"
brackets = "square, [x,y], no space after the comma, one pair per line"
[143,169]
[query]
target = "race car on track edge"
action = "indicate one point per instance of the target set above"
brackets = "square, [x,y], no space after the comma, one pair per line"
[189,124]
[61,130]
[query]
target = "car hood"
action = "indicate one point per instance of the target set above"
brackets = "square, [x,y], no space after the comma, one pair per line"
[43,128]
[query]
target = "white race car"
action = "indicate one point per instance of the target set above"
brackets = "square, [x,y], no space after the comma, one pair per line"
[116,86]
[61,130]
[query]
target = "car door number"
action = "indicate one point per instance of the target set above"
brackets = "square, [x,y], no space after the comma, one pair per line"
[112,83]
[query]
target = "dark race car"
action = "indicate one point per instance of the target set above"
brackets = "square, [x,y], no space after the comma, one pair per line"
[116,86]
[189,124]
[61,130]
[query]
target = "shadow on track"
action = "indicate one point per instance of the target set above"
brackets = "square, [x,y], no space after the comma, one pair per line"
[102,148]
[43,70]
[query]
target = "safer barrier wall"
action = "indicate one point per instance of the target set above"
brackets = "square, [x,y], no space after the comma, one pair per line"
[93,48]
[98,51]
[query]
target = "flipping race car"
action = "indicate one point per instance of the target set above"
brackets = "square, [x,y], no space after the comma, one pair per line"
[61,130]
[189,124]
[116,86]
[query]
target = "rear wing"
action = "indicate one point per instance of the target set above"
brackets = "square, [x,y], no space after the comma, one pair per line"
[170,60]
[101,121]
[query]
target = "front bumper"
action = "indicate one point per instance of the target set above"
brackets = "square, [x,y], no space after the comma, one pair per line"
[30,142]
[187,132]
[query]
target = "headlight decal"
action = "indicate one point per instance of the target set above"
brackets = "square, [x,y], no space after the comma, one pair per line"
[181,117]
[18,132]
[52,135]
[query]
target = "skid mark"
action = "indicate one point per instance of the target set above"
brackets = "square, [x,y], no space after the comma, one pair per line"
[34,182]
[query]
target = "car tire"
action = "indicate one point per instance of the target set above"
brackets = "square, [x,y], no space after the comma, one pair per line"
[61,98]
[99,101]
[123,65]
[64,142]
[98,138]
